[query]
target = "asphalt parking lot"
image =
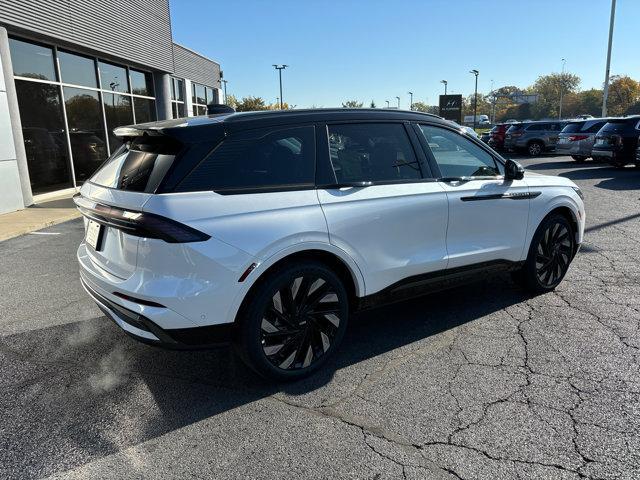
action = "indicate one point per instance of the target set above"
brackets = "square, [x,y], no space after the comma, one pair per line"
[481,382]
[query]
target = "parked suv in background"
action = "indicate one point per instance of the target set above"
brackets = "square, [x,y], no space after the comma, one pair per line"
[533,137]
[617,141]
[577,138]
[496,135]
[269,228]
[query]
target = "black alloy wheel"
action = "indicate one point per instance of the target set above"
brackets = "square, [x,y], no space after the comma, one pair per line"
[551,251]
[294,322]
[553,254]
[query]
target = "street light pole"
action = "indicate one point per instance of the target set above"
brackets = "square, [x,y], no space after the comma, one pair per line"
[475,99]
[605,95]
[398,102]
[387,103]
[561,89]
[445,85]
[280,68]
[411,100]
[224,82]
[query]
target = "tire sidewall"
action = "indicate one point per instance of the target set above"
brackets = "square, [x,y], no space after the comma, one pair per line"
[249,341]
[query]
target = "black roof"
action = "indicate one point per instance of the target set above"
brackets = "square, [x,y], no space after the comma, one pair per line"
[265,118]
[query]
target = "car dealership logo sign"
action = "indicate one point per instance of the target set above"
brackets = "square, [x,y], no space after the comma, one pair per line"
[451,107]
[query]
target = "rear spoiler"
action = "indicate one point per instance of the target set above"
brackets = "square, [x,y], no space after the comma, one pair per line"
[133,131]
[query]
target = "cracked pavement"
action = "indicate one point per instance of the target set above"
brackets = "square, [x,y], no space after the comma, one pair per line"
[480,382]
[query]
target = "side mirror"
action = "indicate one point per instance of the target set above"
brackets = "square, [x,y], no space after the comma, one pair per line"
[513,170]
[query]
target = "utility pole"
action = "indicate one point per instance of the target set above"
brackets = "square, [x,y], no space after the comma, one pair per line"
[561,89]
[475,99]
[411,100]
[445,85]
[605,95]
[398,102]
[280,68]
[224,83]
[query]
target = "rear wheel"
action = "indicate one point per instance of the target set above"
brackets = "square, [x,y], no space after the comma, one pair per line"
[579,158]
[535,148]
[294,321]
[550,254]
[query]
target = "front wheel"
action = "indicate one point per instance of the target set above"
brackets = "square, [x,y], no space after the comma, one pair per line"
[551,251]
[579,158]
[293,322]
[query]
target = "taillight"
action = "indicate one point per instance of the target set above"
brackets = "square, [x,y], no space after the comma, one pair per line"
[140,224]
[575,138]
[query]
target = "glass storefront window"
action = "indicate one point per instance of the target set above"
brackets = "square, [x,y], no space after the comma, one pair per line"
[77,69]
[113,77]
[145,109]
[177,87]
[141,83]
[210,98]
[45,142]
[118,112]
[86,131]
[199,95]
[31,60]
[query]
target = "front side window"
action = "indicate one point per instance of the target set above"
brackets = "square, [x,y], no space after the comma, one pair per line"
[458,156]
[255,159]
[372,152]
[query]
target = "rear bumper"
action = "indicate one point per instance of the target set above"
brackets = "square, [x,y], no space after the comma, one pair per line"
[143,329]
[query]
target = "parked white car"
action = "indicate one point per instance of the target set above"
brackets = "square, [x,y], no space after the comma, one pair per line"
[268,229]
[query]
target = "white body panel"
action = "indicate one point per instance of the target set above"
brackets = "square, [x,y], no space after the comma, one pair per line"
[391,231]
[485,229]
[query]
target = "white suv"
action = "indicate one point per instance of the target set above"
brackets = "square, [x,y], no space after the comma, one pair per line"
[268,228]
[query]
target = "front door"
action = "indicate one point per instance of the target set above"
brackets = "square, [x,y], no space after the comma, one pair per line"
[487,215]
[382,210]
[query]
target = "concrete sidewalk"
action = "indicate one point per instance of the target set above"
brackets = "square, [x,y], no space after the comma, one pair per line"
[37,216]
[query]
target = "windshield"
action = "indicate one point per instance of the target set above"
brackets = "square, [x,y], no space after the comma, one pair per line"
[138,165]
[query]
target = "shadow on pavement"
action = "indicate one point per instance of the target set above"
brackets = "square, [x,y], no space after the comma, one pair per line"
[84,390]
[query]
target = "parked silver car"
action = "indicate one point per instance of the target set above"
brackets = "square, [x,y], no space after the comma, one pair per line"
[533,137]
[577,138]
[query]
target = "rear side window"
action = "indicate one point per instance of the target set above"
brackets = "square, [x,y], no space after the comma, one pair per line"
[138,165]
[255,159]
[536,127]
[373,152]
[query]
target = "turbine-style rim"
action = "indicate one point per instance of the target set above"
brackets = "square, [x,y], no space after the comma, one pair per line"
[553,254]
[300,322]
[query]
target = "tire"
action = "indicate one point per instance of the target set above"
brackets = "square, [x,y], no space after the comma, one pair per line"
[579,158]
[535,148]
[293,322]
[550,254]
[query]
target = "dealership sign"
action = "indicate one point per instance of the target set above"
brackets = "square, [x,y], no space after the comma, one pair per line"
[451,107]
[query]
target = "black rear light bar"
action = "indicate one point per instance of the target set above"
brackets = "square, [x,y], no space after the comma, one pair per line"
[139,224]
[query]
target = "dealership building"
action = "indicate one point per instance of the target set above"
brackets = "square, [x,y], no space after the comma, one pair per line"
[71,72]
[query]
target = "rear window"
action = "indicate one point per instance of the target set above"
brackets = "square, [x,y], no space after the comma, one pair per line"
[616,126]
[515,128]
[138,165]
[595,127]
[573,127]
[266,158]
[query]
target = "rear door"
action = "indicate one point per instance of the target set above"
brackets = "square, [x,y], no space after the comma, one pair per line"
[487,215]
[382,205]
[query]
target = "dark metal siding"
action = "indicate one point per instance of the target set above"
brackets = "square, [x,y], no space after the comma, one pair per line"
[136,30]
[195,67]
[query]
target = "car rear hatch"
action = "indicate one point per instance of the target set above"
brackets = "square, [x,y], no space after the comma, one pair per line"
[113,200]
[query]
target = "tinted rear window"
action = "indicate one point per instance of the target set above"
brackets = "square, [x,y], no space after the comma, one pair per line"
[515,128]
[139,165]
[573,127]
[256,159]
[618,126]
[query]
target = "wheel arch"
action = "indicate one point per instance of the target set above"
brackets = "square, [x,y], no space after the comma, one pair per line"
[567,211]
[336,259]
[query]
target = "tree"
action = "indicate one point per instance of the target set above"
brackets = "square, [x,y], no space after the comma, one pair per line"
[352,104]
[548,87]
[423,107]
[249,104]
[232,101]
[624,91]
[484,106]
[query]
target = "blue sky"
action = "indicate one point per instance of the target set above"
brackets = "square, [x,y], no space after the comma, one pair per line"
[373,49]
